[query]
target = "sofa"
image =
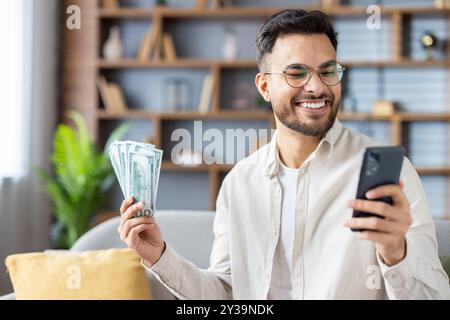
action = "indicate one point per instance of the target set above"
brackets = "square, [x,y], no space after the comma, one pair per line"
[190,233]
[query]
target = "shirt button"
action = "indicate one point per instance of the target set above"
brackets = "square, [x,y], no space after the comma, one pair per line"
[408,284]
[395,280]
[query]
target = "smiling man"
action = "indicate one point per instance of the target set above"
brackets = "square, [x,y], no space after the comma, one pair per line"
[282,226]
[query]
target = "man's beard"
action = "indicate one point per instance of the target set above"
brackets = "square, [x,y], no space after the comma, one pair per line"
[319,130]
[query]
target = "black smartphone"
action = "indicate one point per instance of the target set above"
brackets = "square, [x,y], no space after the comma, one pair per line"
[380,166]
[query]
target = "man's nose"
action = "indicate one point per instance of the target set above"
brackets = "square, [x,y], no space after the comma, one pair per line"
[315,84]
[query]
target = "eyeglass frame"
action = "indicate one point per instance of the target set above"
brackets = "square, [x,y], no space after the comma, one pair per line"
[309,73]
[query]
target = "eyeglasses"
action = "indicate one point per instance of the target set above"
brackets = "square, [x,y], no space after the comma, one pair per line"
[297,75]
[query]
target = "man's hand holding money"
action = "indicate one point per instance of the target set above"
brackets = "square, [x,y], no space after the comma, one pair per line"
[141,234]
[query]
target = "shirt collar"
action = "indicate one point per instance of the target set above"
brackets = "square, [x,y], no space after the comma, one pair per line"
[272,164]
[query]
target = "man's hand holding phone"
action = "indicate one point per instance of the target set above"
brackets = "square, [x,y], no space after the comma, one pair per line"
[388,234]
[381,211]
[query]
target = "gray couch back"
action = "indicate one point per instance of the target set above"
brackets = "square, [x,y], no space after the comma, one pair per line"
[190,233]
[443,236]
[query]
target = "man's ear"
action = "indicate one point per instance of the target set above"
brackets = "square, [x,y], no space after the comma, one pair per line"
[262,85]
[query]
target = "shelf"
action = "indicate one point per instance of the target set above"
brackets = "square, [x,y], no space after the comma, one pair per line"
[179,63]
[123,12]
[433,171]
[129,114]
[186,115]
[400,116]
[249,12]
[396,63]
[231,115]
[263,115]
[412,116]
[169,165]
[415,10]
[251,64]
[360,116]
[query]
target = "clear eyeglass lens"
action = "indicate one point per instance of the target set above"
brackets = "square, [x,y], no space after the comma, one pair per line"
[330,74]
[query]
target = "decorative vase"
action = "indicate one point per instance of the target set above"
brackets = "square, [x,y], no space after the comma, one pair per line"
[113,50]
[231,46]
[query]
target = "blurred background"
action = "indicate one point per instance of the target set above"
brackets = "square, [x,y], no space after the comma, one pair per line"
[157,66]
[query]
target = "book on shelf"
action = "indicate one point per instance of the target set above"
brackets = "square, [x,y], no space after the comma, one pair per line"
[103,90]
[119,103]
[203,4]
[143,48]
[148,44]
[207,94]
[169,47]
[156,54]
[112,96]
[155,46]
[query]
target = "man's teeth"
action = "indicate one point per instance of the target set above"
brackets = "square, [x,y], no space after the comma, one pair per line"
[312,105]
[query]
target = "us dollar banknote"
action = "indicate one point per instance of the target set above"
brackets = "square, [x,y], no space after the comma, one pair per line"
[137,166]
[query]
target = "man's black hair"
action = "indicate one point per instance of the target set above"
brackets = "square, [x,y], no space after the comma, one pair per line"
[292,21]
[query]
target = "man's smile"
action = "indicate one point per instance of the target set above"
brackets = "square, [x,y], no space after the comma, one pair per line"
[312,106]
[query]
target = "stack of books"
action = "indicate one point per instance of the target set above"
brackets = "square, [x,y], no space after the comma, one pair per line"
[157,46]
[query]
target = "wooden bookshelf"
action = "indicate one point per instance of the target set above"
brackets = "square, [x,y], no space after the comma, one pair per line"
[410,117]
[167,165]
[81,66]
[251,64]
[266,115]
[249,12]
[434,171]
[186,115]
[179,63]
[400,116]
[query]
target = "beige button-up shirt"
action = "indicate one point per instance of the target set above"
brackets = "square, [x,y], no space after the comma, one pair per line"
[329,261]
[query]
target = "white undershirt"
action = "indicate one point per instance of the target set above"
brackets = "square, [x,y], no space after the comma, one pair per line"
[281,284]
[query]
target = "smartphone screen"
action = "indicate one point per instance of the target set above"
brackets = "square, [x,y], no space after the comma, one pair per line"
[380,166]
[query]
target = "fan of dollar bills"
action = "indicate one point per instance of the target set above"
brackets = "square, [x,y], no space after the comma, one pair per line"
[137,166]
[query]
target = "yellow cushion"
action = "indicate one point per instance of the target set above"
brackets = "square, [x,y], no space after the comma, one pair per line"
[104,274]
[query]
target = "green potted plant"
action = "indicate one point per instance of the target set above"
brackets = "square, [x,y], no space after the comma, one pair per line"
[82,176]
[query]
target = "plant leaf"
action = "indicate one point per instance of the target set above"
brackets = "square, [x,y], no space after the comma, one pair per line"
[118,133]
